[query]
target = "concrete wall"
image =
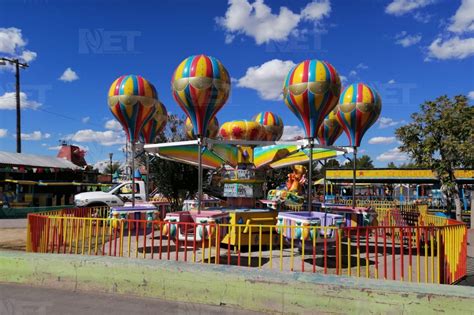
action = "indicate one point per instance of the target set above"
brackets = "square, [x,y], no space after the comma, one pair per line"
[232,286]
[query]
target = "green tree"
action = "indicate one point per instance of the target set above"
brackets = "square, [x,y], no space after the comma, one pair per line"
[441,138]
[111,169]
[363,162]
[173,180]
[391,165]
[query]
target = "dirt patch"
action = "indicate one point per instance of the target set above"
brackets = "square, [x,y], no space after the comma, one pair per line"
[13,239]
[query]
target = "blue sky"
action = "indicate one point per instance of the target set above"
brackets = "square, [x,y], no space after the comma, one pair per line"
[409,50]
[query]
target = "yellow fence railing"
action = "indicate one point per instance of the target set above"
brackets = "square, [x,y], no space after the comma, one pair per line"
[434,252]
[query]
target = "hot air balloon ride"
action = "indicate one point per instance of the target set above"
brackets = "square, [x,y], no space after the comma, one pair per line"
[155,125]
[132,100]
[311,91]
[242,130]
[212,129]
[330,129]
[272,125]
[201,86]
[359,108]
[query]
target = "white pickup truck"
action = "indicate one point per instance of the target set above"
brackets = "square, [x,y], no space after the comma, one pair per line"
[117,195]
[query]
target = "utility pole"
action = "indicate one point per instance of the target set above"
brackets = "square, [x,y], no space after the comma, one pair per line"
[18,65]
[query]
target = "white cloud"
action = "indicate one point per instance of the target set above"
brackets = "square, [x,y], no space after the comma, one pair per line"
[3,133]
[86,119]
[316,10]
[393,155]
[113,124]
[55,148]
[8,101]
[392,81]
[13,43]
[256,20]
[292,132]
[453,48]
[106,138]
[463,20]
[422,17]
[362,66]
[401,7]
[11,40]
[69,75]
[267,79]
[457,47]
[343,79]
[471,95]
[382,140]
[385,122]
[35,136]
[407,40]
[353,73]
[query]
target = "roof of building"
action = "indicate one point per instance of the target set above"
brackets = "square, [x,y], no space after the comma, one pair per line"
[21,159]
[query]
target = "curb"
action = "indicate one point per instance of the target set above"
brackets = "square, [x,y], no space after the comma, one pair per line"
[238,287]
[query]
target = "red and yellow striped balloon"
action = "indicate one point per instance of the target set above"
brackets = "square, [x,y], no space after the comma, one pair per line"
[359,108]
[272,125]
[330,130]
[156,124]
[201,86]
[311,91]
[132,101]
[212,129]
[242,130]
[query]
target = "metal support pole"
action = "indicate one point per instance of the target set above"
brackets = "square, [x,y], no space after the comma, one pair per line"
[354,178]
[18,65]
[324,182]
[18,109]
[147,182]
[133,175]
[199,174]
[310,175]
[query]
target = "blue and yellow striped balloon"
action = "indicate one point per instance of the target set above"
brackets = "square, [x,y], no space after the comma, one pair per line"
[272,125]
[156,124]
[132,101]
[330,130]
[311,91]
[359,108]
[201,86]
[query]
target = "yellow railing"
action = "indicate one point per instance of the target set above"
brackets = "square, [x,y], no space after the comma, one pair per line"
[434,253]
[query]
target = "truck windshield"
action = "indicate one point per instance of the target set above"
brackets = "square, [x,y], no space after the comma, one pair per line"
[112,187]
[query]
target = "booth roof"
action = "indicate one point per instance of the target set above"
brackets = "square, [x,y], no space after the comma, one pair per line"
[31,160]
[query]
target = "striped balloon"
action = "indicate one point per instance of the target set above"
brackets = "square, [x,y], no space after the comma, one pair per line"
[272,125]
[201,86]
[241,130]
[358,109]
[156,124]
[330,130]
[311,90]
[212,129]
[132,101]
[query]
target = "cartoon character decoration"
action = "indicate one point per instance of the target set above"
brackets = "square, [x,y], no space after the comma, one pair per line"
[359,107]
[200,86]
[242,130]
[272,125]
[330,130]
[156,124]
[132,100]
[311,91]
[296,179]
[212,129]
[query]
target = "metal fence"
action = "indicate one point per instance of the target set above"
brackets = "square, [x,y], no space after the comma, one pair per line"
[434,250]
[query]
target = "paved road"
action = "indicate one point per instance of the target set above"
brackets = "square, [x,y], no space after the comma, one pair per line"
[22,300]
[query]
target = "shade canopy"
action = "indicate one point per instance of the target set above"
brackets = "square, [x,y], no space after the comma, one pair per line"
[220,153]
